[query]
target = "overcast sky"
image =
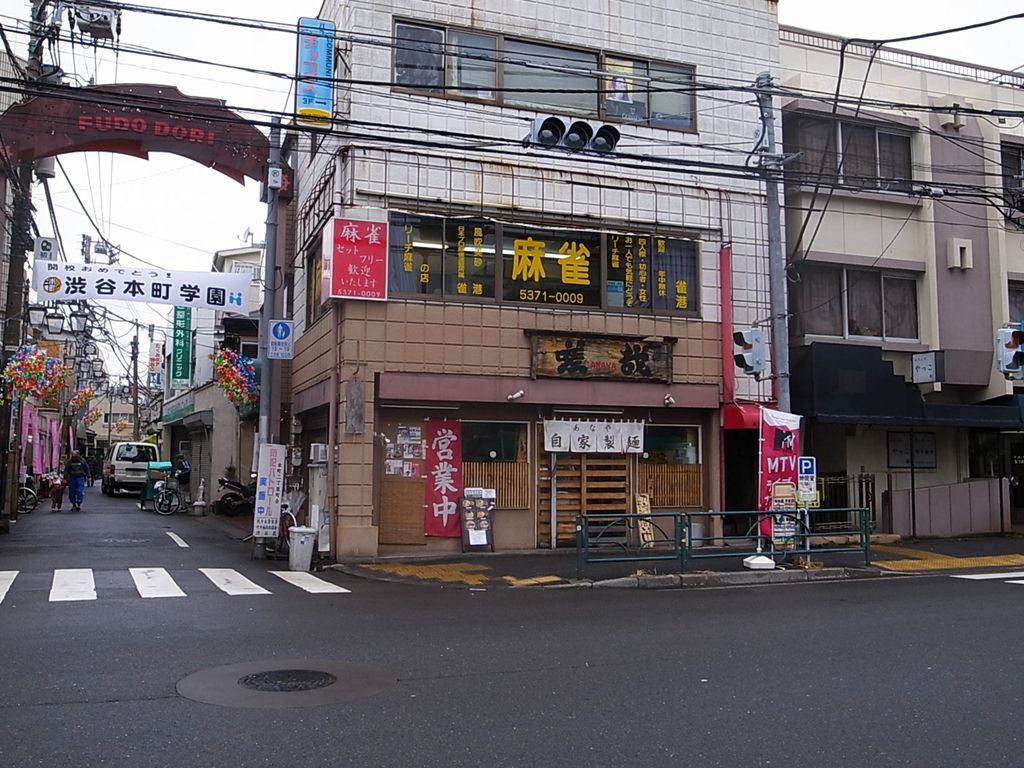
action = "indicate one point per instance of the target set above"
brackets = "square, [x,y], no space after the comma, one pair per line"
[172,212]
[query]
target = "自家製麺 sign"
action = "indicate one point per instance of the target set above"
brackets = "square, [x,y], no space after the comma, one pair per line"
[66,281]
[590,357]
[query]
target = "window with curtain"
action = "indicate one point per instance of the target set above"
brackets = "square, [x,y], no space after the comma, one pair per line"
[900,307]
[539,75]
[314,279]
[855,154]
[1016,293]
[672,96]
[863,303]
[818,301]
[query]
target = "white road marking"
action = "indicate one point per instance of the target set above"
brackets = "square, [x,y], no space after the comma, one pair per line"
[155,582]
[177,539]
[231,581]
[309,582]
[983,576]
[72,584]
[6,579]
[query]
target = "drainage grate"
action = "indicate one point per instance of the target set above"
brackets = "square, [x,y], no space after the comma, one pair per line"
[287,680]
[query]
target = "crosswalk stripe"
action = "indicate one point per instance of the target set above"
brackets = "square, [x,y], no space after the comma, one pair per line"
[177,539]
[155,582]
[232,582]
[984,576]
[6,579]
[72,584]
[309,582]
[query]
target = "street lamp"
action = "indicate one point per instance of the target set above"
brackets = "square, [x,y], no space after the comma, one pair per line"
[79,320]
[97,367]
[54,322]
[36,314]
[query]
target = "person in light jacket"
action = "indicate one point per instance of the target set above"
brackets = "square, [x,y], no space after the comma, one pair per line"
[76,472]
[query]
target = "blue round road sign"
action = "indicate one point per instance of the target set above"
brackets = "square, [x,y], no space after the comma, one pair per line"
[281,331]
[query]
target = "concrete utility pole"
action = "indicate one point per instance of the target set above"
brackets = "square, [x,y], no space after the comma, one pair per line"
[135,385]
[771,165]
[267,431]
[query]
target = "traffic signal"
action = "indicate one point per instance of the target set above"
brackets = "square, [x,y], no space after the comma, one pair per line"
[1009,355]
[751,355]
[572,135]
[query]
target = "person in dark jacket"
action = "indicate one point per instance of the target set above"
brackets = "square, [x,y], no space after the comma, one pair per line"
[76,472]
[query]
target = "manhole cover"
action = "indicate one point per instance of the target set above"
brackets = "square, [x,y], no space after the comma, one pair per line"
[287,680]
[285,683]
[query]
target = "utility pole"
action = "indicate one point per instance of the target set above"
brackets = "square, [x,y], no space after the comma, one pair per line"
[771,165]
[269,281]
[135,385]
[267,313]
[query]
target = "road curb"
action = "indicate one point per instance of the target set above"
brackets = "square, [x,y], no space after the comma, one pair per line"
[734,578]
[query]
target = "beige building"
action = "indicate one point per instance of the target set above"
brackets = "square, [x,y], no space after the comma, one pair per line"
[906,254]
[529,289]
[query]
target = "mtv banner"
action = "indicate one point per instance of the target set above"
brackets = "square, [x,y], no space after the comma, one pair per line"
[780,447]
[64,281]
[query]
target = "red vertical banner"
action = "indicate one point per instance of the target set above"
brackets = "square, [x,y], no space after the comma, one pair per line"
[443,485]
[780,447]
[357,267]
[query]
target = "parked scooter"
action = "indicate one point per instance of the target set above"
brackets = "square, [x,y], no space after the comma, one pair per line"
[236,498]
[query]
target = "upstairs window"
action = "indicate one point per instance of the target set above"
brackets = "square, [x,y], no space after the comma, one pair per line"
[855,303]
[855,155]
[469,64]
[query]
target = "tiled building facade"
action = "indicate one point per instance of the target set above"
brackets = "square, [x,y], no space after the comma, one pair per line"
[438,158]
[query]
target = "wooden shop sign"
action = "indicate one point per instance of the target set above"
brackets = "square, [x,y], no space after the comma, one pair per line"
[601,357]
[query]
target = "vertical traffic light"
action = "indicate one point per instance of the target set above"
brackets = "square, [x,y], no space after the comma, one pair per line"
[751,356]
[1009,355]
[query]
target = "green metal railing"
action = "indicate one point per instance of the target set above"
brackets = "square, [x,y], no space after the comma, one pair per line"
[683,536]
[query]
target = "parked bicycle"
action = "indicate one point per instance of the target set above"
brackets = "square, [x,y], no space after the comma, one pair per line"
[167,499]
[28,499]
[278,546]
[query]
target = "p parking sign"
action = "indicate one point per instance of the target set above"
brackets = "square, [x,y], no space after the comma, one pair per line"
[807,478]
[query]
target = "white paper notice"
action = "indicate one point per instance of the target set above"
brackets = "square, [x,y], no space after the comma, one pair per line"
[478,538]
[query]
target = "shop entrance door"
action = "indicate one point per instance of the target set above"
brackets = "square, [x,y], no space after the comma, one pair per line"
[584,484]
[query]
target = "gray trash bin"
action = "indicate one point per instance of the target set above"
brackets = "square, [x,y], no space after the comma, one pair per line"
[301,541]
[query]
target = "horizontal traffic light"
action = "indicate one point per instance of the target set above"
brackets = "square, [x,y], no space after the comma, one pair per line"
[573,135]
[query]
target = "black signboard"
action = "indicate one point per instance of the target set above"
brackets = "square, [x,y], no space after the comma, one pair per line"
[477,517]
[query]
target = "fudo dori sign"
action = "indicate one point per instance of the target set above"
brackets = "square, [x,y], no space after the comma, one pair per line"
[589,357]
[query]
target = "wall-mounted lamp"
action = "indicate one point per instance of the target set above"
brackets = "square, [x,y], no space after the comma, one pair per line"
[515,395]
[669,400]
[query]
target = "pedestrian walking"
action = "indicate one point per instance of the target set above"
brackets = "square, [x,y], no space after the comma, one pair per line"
[56,494]
[76,472]
[94,468]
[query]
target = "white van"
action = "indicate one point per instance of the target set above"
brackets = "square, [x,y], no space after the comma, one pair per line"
[125,467]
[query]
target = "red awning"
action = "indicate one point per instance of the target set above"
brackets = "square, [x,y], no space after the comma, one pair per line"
[741,416]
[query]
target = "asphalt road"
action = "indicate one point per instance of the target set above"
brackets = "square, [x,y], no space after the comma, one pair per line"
[891,672]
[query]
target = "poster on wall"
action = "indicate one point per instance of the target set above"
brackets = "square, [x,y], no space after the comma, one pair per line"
[780,447]
[443,485]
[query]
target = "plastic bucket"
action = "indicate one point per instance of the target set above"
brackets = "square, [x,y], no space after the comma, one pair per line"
[301,541]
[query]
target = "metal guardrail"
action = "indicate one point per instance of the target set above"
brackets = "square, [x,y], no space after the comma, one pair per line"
[627,538]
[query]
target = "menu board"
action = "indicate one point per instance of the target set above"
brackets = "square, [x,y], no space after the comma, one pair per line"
[476,513]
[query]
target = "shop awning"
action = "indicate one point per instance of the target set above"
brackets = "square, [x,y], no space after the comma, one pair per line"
[847,384]
[741,416]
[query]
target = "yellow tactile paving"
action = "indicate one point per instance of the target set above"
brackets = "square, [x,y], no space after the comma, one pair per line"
[455,573]
[946,563]
[915,554]
[532,582]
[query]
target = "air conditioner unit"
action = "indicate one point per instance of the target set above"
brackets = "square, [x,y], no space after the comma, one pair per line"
[318,453]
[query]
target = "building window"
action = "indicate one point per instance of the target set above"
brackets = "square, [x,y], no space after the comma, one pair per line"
[1012,156]
[857,155]
[419,57]
[854,303]
[466,259]
[470,64]
[1016,293]
[315,307]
